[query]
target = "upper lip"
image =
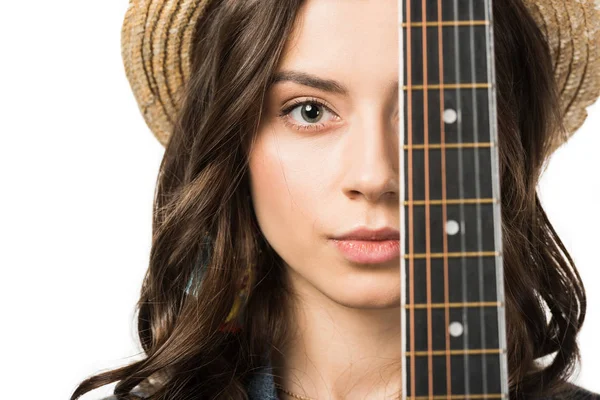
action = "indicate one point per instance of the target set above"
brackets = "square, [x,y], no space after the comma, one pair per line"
[364,233]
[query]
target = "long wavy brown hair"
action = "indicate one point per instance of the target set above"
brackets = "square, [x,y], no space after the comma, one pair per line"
[202,211]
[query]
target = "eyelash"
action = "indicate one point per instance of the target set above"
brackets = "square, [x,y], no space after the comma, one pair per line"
[284,114]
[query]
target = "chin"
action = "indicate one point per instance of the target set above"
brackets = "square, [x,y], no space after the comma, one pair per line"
[368,302]
[350,285]
[367,292]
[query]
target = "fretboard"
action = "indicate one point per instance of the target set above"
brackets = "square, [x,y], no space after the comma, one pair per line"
[453,298]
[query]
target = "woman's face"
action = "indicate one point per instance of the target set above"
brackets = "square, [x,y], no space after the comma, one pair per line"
[322,171]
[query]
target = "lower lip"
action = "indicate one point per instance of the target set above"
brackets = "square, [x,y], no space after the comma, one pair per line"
[368,251]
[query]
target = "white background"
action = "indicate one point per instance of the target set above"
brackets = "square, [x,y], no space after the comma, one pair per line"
[78,168]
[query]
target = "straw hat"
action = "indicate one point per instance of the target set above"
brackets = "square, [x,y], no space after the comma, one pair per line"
[156,43]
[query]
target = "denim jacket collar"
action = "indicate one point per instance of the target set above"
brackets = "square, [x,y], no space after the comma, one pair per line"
[261,385]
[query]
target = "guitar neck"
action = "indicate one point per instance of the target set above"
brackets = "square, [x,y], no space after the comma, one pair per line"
[453,298]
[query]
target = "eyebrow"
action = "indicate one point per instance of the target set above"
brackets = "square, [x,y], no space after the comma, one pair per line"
[327,85]
[303,78]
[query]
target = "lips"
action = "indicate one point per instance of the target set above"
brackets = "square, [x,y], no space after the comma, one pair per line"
[368,251]
[363,233]
[369,246]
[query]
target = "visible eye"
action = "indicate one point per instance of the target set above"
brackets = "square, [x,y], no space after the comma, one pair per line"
[310,111]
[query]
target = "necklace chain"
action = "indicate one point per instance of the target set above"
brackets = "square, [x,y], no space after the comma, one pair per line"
[292,394]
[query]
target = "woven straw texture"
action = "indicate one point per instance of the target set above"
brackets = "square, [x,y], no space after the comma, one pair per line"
[155,45]
[572,29]
[156,42]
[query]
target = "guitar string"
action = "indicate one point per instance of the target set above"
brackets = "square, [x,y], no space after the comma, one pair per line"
[444,206]
[461,213]
[478,206]
[427,207]
[411,261]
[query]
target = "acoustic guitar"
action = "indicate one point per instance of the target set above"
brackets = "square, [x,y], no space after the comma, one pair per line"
[453,300]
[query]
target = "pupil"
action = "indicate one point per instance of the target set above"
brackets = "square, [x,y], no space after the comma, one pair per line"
[310,113]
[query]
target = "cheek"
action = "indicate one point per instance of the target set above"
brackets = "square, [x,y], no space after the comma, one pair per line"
[286,194]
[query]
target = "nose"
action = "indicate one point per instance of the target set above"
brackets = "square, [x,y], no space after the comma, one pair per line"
[373,158]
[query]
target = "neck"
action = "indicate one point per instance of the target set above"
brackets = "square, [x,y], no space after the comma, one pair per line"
[337,351]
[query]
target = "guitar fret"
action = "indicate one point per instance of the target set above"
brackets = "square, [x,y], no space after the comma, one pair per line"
[455,352]
[476,162]
[447,23]
[459,397]
[450,201]
[449,86]
[448,145]
[456,305]
[454,254]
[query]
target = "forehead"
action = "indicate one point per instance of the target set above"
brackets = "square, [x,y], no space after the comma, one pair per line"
[355,41]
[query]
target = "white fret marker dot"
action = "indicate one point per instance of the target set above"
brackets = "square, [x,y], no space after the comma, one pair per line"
[455,329]
[452,227]
[450,116]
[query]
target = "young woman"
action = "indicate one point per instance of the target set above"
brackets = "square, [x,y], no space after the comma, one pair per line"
[281,120]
